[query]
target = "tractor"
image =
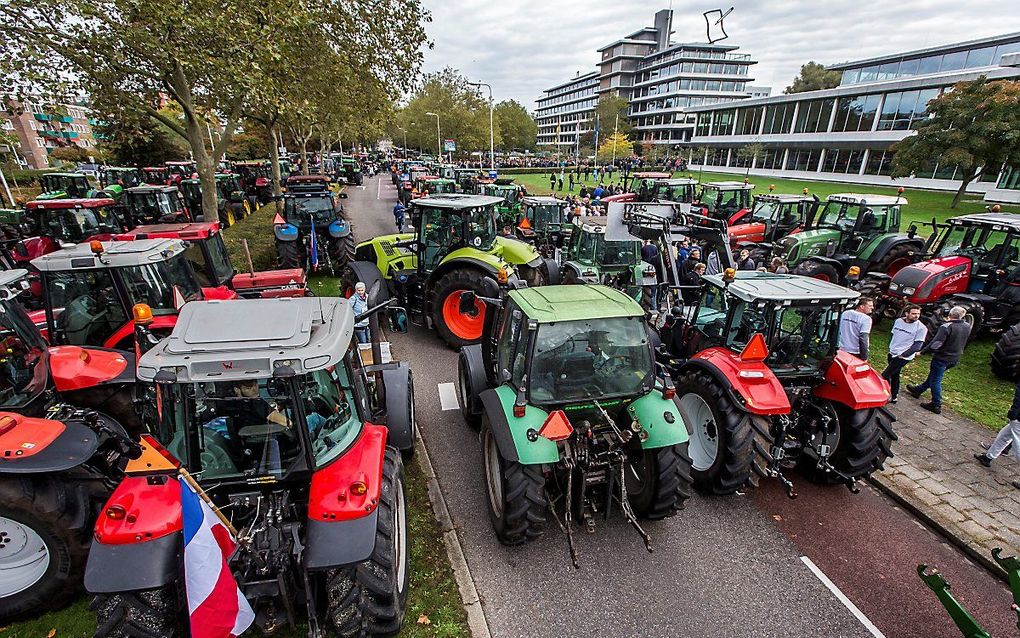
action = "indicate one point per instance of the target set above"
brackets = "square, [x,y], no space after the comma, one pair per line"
[312,230]
[656,187]
[543,223]
[773,216]
[419,187]
[853,234]
[264,409]
[256,179]
[64,186]
[178,171]
[50,223]
[728,201]
[454,250]
[119,176]
[765,388]
[573,414]
[467,180]
[437,186]
[156,175]
[231,204]
[211,262]
[590,258]
[352,171]
[154,205]
[509,209]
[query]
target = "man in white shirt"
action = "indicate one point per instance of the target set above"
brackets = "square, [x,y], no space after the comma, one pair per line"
[855,328]
[907,339]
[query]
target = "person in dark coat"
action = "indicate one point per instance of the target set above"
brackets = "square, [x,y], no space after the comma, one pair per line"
[946,348]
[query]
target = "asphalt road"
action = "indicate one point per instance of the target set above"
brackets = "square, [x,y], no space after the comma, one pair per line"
[738,566]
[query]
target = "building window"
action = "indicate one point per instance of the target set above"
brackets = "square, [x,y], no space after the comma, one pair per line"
[716,157]
[803,159]
[722,123]
[1010,179]
[855,113]
[905,110]
[771,158]
[842,161]
[778,118]
[813,116]
[879,162]
[748,121]
[703,125]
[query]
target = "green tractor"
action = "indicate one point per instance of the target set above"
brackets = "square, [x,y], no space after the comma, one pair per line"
[590,258]
[574,418]
[853,234]
[351,170]
[510,208]
[455,249]
[231,202]
[65,186]
[543,222]
[110,176]
[467,180]
[438,186]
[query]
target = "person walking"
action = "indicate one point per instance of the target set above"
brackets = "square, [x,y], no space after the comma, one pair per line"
[398,216]
[359,304]
[946,348]
[1008,439]
[570,181]
[744,261]
[906,341]
[855,328]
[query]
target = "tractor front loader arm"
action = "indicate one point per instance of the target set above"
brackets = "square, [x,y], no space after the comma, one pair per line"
[961,618]
[1012,566]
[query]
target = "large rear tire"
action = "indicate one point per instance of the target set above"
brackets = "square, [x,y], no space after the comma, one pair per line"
[44,541]
[973,317]
[861,445]
[456,328]
[370,598]
[729,448]
[1005,359]
[515,492]
[341,250]
[895,260]
[466,393]
[662,481]
[147,613]
[817,270]
[288,254]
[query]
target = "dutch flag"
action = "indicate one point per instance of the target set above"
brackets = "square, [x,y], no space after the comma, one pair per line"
[314,249]
[216,607]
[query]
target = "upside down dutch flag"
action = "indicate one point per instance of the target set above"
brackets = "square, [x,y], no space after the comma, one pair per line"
[314,249]
[216,607]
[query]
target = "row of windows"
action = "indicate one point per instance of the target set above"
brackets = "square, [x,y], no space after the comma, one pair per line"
[571,89]
[566,97]
[574,106]
[677,103]
[690,85]
[709,54]
[570,117]
[72,111]
[941,63]
[691,67]
[663,120]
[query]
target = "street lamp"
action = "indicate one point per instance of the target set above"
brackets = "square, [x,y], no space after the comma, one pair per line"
[405,139]
[439,137]
[492,146]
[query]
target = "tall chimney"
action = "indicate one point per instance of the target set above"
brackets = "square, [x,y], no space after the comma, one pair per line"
[663,24]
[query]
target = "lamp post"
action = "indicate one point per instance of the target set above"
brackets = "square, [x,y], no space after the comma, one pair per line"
[405,140]
[492,145]
[439,137]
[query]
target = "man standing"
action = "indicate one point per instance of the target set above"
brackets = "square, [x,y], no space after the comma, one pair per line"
[650,255]
[946,348]
[1009,436]
[359,304]
[570,181]
[855,328]
[906,341]
[552,181]
[398,216]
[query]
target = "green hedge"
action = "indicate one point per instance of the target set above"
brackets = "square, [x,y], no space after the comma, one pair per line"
[550,169]
[26,177]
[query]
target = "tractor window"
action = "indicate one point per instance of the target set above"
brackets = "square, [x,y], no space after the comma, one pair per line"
[75,225]
[617,253]
[481,228]
[302,210]
[219,260]
[160,284]
[331,413]
[802,337]
[712,312]
[590,359]
[23,357]
[766,211]
[439,231]
[509,335]
[85,306]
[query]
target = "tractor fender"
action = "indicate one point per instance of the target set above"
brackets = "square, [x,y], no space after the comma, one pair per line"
[339,229]
[474,364]
[662,419]
[368,273]
[854,383]
[398,381]
[578,270]
[463,262]
[134,566]
[552,271]
[511,433]
[835,263]
[35,446]
[220,293]
[126,333]
[883,247]
[75,368]
[285,232]
[757,390]
[341,524]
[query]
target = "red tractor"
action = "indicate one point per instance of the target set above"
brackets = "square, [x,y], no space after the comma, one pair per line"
[657,187]
[773,216]
[50,223]
[179,171]
[156,175]
[729,201]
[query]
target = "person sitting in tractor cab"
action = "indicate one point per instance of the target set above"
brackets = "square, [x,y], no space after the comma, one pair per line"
[255,410]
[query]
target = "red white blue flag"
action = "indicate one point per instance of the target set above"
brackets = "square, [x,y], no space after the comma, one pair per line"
[314,249]
[216,607]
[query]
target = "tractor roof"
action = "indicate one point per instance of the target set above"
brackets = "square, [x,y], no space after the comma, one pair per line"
[652,175]
[755,286]
[308,179]
[440,180]
[193,230]
[8,279]
[250,338]
[154,168]
[150,188]
[179,163]
[870,198]
[677,181]
[60,204]
[119,169]
[549,304]
[537,200]
[116,254]
[730,186]
[1007,220]
[784,198]
[59,174]
[457,201]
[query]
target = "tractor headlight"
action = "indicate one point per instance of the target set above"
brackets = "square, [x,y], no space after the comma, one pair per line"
[908,291]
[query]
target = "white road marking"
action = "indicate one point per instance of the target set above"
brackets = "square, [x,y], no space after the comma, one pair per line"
[378,191]
[448,397]
[858,614]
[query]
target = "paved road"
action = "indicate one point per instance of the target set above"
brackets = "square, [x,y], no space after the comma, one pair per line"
[723,567]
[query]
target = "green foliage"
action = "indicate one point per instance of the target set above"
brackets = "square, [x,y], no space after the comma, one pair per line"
[135,139]
[607,110]
[250,144]
[974,126]
[813,77]
[70,154]
[517,129]
[463,115]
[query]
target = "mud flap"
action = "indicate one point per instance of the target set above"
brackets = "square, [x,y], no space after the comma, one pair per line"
[399,395]
[133,566]
[331,544]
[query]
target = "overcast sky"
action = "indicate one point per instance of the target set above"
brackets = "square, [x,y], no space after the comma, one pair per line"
[522,47]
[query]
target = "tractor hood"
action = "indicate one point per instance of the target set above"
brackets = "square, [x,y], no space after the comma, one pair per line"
[808,243]
[515,252]
[930,280]
[491,259]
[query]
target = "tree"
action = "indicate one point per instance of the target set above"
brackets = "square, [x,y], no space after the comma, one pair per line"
[72,154]
[813,76]
[972,127]
[615,146]
[516,127]
[610,112]
[250,144]
[135,139]
[463,115]
[749,153]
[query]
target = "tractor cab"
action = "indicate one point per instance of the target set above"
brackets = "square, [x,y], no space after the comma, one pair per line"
[308,184]
[590,258]
[119,176]
[446,223]
[64,186]
[439,185]
[509,209]
[24,373]
[543,222]
[157,175]
[231,204]
[154,205]
[177,171]
[352,171]
[416,171]
[256,179]
[420,186]
[54,222]
[306,209]
[773,216]
[466,179]
[655,187]
[730,201]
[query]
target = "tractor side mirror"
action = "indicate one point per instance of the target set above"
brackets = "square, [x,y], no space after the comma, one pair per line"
[398,319]
[912,230]
[468,299]
[505,375]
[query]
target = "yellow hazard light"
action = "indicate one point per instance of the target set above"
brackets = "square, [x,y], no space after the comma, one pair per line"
[96,247]
[729,274]
[502,276]
[142,313]
[853,272]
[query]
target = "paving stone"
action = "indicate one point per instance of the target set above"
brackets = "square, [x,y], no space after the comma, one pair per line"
[975,532]
[933,485]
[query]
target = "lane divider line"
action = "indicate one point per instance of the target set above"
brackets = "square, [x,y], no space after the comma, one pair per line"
[448,397]
[831,586]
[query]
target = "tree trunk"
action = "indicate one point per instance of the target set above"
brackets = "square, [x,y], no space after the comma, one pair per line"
[206,165]
[322,155]
[274,161]
[304,156]
[963,188]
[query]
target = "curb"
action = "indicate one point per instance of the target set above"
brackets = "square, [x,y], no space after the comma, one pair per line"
[919,512]
[477,624]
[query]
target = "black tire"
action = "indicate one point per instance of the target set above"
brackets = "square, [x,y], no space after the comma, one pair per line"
[744,446]
[288,254]
[646,299]
[146,613]
[449,284]
[341,250]
[60,518]
[467,393]
[876,290]
[519,515]
[118,402]
[974,317]
[898,256]
[864,443]
[1005,359]
[370,598]
[664,475]
[368,274]
[818,270]
[932,323]
[240,211]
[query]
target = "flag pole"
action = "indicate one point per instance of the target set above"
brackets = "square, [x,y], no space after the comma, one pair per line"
[190,480]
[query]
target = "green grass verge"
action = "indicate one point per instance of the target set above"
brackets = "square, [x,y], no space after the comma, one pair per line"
[257,229]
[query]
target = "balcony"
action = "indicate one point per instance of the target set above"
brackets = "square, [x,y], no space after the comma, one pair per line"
[66,118]
[43,117]
[70,135]
[49,133]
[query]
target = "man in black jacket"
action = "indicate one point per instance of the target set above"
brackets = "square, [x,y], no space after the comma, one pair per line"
[1009,436]
[946,348]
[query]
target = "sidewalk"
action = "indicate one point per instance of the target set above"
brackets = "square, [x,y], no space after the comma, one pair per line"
[935,473]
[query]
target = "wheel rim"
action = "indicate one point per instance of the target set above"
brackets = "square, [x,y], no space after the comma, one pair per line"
[704,445]
[24,557]
[822,276]
[969,319]
[463,325]
[348,292]
[493,474]
[820,437]
[897,265]
[399,537]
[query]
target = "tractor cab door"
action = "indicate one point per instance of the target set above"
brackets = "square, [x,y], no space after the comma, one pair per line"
[438,231]
[788,217]
[511,344]
[705,326]
[83,307]
[995,255]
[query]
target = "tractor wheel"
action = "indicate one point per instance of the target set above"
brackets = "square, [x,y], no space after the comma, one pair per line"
[370,598]
[44,541]
[341,250]
[860,445]
[466,391]
[974,317]
[240,211]
[894,260]
[729,448]
[117,402]
[146,613]
[818,270]
[227,217]
[288,254]
[367,273]
[516,493]
[875,290]
[659,481]
[570,277]
[1005,359]
[456,328]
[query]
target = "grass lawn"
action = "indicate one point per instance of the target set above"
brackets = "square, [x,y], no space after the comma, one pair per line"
[433,595]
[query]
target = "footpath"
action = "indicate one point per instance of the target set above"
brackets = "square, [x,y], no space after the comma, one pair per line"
[934,473]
